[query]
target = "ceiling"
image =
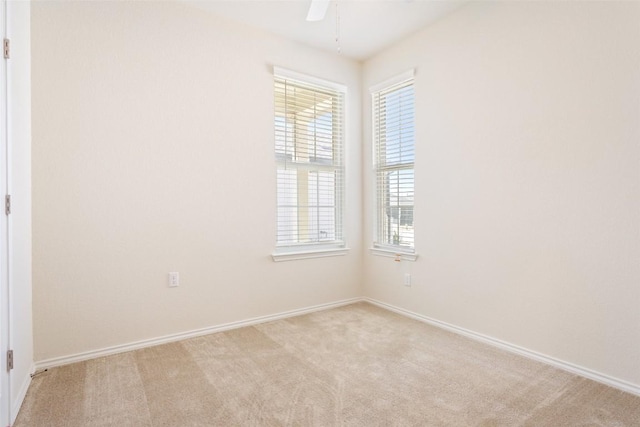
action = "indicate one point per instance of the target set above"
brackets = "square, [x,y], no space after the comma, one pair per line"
[365,26]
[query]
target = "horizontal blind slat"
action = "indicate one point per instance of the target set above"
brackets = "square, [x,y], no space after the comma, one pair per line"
[309,133]
[394,137]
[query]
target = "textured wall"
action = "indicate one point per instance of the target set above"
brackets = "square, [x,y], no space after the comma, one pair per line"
[527,178]
[528,197]
[153,152]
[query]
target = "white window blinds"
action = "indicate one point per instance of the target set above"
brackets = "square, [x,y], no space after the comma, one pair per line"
[394,137]
[309,157]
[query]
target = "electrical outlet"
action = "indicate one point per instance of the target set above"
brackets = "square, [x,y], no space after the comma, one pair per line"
[174,279]
[407,279]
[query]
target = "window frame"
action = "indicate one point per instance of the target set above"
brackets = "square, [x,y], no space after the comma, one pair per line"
[379,244]
[304,250]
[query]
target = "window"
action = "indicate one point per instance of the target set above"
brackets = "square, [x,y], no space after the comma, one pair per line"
[310,164]
[394,138]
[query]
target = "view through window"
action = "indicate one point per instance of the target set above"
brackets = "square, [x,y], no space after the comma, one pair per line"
[394,155]
[308,148]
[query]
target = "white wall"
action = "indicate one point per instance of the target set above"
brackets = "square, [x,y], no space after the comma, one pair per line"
[527,178]
[19,84]
[153,152]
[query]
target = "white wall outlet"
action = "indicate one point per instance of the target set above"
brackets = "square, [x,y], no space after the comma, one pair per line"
[174,279]
[407,279]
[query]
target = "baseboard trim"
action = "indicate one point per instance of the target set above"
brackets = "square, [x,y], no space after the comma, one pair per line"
[22,393]
[93,354]
[565,366]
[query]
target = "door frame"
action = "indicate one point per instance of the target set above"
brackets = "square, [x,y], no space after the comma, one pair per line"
[5,297]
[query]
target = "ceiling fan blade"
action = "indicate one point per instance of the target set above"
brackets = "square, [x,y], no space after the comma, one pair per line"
[317,10]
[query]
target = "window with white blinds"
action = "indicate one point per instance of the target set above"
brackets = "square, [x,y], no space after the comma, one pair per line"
[310,167]
[394,155]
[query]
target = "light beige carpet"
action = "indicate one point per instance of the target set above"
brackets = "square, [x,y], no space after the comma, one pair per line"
[357,365]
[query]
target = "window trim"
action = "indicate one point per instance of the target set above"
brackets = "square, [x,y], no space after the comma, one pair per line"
[311,80]
[298,251]
[393,252]
[400,78]
[385,249]
[309,254]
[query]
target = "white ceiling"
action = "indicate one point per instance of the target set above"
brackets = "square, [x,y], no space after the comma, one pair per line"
[365,26]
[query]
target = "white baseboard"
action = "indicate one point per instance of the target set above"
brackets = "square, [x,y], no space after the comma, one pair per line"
[565,366]
[22,393]
[93,354]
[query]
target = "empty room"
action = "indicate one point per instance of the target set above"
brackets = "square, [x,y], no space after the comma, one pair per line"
[320,213]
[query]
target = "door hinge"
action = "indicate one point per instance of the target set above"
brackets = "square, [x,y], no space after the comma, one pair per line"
[7,204]
[6,48]
[9,360]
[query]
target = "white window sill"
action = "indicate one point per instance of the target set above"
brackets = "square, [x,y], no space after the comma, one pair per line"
[398,255]
[308,254]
